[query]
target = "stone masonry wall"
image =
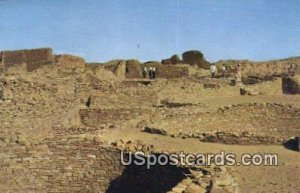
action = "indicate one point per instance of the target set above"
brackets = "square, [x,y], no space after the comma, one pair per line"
[135,70]
[65,165]
[78,164]
[171,71]
[69,61]
[254,123]
[264,68]
[97,117]
[33,58]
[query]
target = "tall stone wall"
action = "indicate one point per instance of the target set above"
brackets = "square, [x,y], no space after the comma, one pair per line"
[195,57]
[133,69]
[33,58]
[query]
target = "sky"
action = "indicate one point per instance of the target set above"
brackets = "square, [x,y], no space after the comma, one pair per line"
[102,30]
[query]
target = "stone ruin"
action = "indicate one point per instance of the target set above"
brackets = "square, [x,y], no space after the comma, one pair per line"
[56,144]
[260,71]
[291,85]
[86,164]
[34,58]
[191,57]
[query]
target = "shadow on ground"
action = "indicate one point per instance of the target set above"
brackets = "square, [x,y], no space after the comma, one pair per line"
[292,144]
[138,179]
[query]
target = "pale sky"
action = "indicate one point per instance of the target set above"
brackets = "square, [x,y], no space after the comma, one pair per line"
[101,30]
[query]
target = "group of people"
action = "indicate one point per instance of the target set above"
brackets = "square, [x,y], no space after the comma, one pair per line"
[149,73]
[237,72]
[213,71]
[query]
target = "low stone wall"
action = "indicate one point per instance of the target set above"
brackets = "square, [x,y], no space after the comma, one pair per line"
[243,124]
[125,98]
[98,117]
[240,138]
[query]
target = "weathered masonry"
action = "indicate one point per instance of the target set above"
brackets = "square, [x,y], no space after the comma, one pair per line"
[34,58]
[79,165]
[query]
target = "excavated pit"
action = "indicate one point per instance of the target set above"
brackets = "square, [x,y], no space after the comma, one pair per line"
[78,165]
[137,179]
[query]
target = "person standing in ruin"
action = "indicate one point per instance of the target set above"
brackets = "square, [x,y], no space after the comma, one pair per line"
[238,74]
[145,72]
[213,70]
[150,72]
[224,71]
[291,71]
[154,73]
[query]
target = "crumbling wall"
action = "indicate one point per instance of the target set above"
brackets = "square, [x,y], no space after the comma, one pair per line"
[254,123]
[69,61]
[171,71]
[174,59]
[195,57]
[120,70]
[1,55]
[98,117]
[291,85]
[134,69]
[65,165]
[138,179]
[33,58]
[78,164]
[264,68]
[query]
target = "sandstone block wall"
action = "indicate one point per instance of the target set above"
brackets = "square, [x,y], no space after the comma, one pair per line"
[172,72]
[264,68]
[69,61]
[34,58]
[240,138]
[97,117]
[134,69]
[254,123]
[169,71]
[65,165]
[78,164]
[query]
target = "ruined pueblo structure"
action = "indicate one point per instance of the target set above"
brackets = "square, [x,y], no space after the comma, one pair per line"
[65,123]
